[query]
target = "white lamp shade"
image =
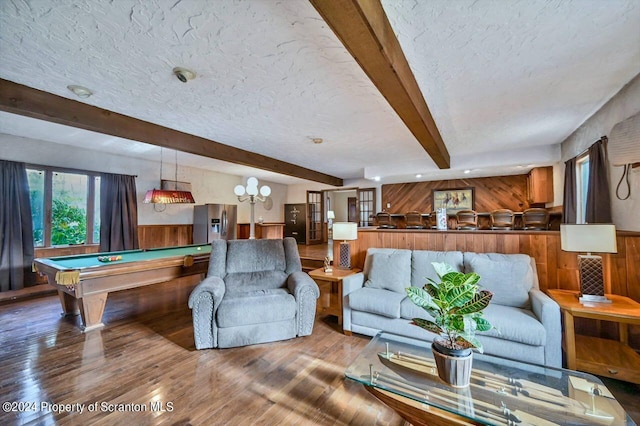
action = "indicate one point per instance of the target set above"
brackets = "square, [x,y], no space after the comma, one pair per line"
[265,191]
[252,182]
[588,238]
[345,231]
[331,214]
[252,190]
[239,190]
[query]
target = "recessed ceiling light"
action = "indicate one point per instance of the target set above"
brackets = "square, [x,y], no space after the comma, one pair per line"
[184,74]
[79,91]
[418,176]
[466,172]
[317,140]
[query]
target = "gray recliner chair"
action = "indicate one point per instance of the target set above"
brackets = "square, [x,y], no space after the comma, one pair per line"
[255,292]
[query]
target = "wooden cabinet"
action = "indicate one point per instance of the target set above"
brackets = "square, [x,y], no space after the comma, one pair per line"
[263,231]
[540,185]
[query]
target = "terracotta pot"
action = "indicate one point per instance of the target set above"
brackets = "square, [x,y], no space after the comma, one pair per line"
[454,370]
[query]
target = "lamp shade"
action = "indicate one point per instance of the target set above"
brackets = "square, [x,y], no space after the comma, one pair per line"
[597,238]
[331,214]
[164,196]
[345,231]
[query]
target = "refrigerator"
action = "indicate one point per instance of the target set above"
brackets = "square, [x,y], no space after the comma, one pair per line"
[214,222]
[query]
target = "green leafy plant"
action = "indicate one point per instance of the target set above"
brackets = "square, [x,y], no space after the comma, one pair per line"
[456,304]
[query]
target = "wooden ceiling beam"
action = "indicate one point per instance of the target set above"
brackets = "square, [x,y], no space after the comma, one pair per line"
[23,100]
[365,31]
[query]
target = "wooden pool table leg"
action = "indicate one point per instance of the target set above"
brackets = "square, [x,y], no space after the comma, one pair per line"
[69,304]
[91,309]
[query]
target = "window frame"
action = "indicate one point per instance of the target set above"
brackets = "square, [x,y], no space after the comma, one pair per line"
[582,161]
[48,202]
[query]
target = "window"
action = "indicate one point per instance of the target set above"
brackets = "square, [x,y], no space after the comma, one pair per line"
[367,199]
[582,183]
[65,206]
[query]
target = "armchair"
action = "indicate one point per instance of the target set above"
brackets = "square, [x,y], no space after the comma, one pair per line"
[255,292]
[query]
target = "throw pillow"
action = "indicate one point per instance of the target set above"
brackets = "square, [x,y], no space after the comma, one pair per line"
[507,280]
[390,271]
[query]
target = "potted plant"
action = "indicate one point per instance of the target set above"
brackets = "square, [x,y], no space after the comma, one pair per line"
[456,304]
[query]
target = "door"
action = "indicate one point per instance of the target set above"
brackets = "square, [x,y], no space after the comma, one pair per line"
[314,217]
[352,209]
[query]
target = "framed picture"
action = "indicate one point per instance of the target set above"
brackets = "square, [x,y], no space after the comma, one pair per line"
[454,199]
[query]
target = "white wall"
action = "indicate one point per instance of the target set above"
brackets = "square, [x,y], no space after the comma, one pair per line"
[207,186]
[622,106]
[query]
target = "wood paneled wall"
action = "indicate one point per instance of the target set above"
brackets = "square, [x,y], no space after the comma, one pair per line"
[491,193]
[556,268]
[153,236]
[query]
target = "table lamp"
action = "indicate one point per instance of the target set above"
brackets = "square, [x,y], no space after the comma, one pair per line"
[345,231]
[598,238]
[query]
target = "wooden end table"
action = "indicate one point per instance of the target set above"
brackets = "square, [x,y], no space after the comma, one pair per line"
[604,357]
[330,284]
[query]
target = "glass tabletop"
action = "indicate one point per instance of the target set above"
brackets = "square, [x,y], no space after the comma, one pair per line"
[501,391]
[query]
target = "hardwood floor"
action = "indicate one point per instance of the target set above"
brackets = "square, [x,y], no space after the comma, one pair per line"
[145,356]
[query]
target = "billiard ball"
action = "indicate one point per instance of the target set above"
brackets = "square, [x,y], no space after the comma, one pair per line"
[199,248]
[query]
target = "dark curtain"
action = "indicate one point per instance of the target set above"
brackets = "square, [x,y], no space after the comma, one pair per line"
[118,213]
[598,192]
[569,203]
[16,227]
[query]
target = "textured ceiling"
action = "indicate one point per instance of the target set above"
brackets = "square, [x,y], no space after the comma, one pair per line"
[506,81]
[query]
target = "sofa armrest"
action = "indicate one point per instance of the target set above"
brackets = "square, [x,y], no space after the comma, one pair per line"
[306,292]
[298,281]
[352,282]
[349,284]
[205,300]
[548,313]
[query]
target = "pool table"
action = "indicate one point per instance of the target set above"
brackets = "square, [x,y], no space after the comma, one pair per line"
[84,281]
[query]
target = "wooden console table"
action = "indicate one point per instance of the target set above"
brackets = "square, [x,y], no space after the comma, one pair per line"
[604,357]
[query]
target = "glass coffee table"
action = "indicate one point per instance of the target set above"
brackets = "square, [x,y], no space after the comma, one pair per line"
[401,373]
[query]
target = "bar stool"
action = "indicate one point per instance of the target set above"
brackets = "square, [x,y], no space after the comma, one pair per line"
[502,219]
[433,220]
[384,221]
[414,220]
[536,219]
[467,219]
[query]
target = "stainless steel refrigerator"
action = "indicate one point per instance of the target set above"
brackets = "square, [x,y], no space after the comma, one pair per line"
[214,222]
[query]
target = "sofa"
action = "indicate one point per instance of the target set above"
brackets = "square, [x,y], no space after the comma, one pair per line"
[526,320]
[255,292]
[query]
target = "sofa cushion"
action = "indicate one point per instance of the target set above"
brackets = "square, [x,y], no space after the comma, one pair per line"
[409,310]
[376,301]
[242,282]
[390,271]
[256,307]
[421,267]
[255,255]
[517,325]
[508,276]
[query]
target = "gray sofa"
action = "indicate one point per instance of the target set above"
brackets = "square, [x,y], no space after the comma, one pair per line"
[527,320]
[254,292]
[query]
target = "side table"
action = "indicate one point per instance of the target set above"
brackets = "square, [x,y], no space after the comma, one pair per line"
[604,357]
[330,284]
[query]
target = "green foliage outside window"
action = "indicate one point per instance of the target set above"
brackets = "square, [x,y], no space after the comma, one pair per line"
[69,224]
